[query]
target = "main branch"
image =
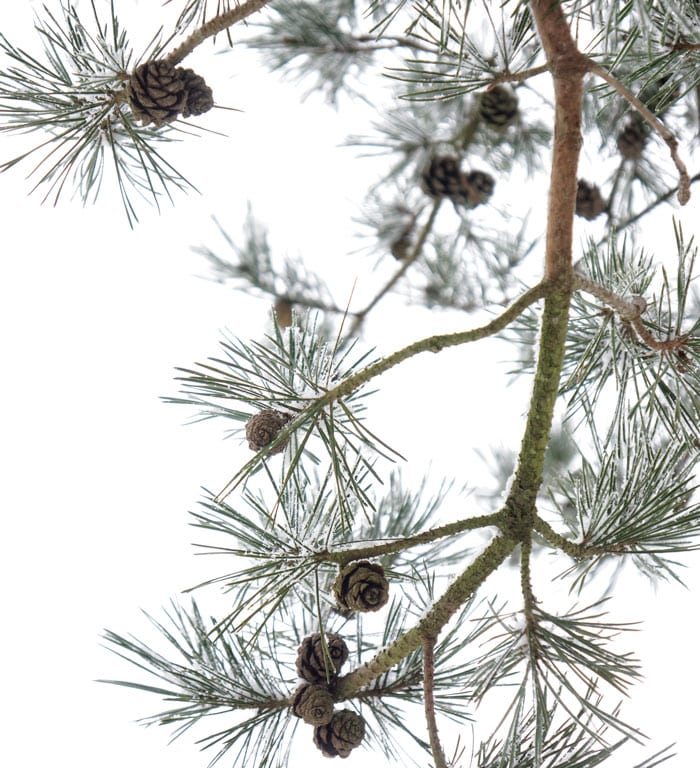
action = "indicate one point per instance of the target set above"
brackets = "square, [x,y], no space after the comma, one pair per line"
[568,67]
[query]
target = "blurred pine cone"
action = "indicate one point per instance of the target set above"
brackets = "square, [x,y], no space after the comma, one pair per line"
[477,188]
[633,138]
[589,201]
[498,106]
[442,177]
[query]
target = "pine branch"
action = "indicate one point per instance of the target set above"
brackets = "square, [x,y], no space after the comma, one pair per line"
[212,27]
[650,118]
[443,609]
[428,683]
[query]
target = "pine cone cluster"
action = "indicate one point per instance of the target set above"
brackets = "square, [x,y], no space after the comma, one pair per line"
[442,177]
[589,202]
[498,106]
[341,735]
[336,734]
[262,428]
[361,586]
[159,93]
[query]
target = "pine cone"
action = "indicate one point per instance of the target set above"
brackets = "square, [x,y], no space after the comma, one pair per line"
[339,737]
[401,247]
[313,665]
[262,428]
[313,704]
[159,93]
[283,313]
[361,586]
[589,201]
[200,98]
[156,92]
[477,188]
[632,139]
[499,106]
[442,177]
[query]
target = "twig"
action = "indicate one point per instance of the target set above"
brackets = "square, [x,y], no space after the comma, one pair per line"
[518,77]
[343,556]
[213,27]
[661,199]
[655,123]
[436,344]
[629,311]
[429,701]
[415,253]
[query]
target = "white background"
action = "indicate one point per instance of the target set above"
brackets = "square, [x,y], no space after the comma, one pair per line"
[98,475]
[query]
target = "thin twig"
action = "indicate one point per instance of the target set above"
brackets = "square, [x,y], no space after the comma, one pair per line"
[655,123]
[519,77]
[661,199]
[345,555]
[629,311]
[213,27]
[415,253]
[429,702]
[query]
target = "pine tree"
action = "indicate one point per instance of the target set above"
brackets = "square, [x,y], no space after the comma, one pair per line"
[351,597]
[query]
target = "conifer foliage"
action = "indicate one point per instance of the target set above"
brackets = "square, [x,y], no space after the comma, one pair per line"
[360,612]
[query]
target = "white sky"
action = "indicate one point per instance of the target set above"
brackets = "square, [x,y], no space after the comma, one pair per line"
[98,475]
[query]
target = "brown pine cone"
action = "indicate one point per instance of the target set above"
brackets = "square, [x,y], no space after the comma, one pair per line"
[499,106]
[589,201]
[313,704]
[339,737]
[477,188]
[632,139]
[200,98]
[442,177]
[283,313]
[361,586]
[262,428]
[156,92]
[313,665]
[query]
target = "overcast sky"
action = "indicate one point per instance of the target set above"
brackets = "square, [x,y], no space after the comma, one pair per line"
[98,475]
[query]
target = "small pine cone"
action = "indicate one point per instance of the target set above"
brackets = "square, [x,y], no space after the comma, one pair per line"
[632,140]
[442,177]
[589,201]
[401,247]
[200,98]
[262,428]
[477,188]
[156,92]
[361,586]
[499,106]
[339,737]
[313,665]
[283,313]
[313,704]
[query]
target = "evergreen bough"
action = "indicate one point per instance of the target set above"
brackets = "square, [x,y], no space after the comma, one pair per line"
[330,558]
